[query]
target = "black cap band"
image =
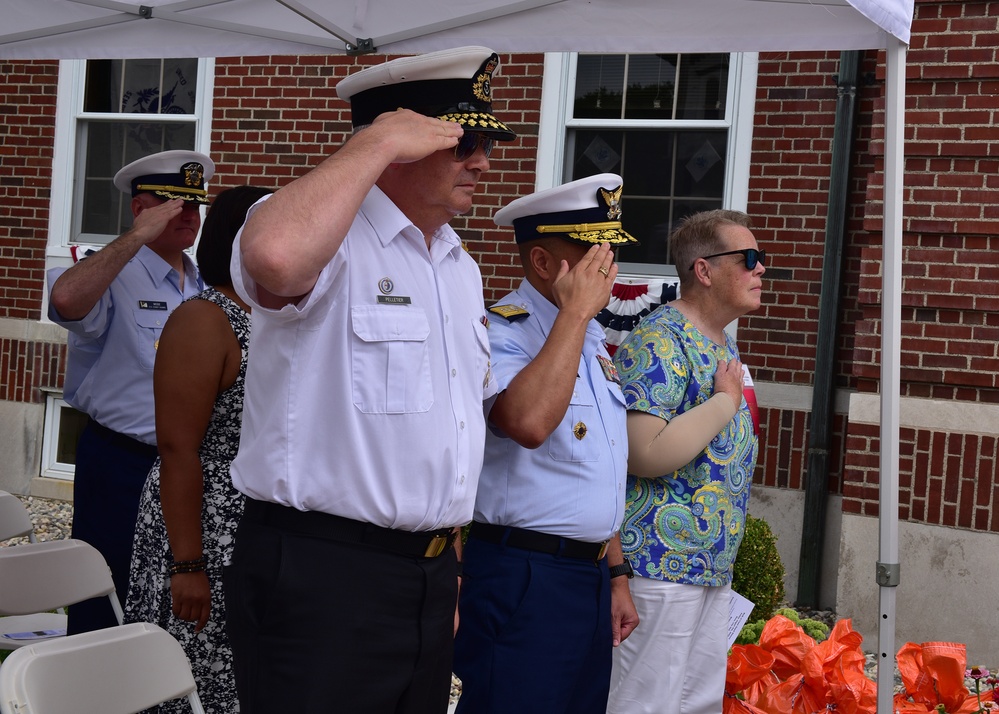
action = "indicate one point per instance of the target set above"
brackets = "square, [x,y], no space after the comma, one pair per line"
[431,97]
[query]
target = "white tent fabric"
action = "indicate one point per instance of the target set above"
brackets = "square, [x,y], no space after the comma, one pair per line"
[99,29]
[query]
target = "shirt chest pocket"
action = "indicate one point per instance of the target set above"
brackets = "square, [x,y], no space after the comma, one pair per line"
[580,435]
[391,360]
[148,328]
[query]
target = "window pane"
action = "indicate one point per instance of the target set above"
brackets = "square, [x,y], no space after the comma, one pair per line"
[703,87]
[649,221]
[648,170]
[599,86]
[667,175]
[159,86]
[651,82]
[595,152]
[101,93]
[146,86]
[151,87]
[700,163]
[109,146]
[71,423]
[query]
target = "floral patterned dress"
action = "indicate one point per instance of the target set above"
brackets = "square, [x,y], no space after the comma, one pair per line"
[149,597]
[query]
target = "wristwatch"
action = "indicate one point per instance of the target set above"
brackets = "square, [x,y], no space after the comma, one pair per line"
[622,569]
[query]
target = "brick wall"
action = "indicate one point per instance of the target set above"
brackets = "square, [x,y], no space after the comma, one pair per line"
[26,368]
[27,105]
[788,196]
[950,327]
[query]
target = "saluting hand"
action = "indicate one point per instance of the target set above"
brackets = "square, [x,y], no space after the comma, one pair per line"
[414,136]
[587,285]
[151,221]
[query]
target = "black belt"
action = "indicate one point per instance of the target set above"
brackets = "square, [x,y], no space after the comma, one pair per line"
[122,441]
[419,544]
[540,542]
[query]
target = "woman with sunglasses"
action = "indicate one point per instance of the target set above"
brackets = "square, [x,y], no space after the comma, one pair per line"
[692,451]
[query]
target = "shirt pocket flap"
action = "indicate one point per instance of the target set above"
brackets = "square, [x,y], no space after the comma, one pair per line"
[615,389]
[152,319]
[372,323]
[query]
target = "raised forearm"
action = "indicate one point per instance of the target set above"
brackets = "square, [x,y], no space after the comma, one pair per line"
[536,400]
[76,291]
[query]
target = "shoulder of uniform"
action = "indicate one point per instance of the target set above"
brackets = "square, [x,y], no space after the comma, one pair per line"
[510,312]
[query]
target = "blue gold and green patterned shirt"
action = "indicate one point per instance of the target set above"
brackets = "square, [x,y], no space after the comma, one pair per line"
[686,526]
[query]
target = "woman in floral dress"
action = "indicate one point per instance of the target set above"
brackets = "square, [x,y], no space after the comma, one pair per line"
[189,509]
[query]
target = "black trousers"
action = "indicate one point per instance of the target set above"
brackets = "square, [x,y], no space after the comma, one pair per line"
[321,625]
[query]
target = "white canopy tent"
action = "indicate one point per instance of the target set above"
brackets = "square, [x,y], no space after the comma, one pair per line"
[97,29]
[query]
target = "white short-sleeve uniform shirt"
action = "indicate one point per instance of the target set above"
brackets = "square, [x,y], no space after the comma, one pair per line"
[364,400]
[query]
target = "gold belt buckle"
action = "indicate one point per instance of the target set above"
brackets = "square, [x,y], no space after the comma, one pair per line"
[603,550]
[437,545]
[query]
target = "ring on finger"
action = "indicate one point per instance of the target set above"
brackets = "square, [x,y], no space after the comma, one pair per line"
[604,271]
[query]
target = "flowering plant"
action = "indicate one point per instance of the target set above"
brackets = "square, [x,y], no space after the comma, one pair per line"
[989,705]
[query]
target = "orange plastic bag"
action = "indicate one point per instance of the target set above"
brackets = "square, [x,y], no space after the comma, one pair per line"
[788,643]
[792,696]
[834,669]
[749,674]
[933,673]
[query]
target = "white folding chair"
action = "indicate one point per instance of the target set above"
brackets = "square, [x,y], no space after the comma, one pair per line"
[118,670]
[38,577]
[15,521]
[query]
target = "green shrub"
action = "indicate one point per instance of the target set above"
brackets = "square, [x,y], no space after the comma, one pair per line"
[758,574]
[816,629]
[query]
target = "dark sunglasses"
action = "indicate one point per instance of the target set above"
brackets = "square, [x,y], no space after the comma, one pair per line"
[469,142]
[751,255]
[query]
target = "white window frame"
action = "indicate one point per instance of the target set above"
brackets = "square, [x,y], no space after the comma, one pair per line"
[557,90]
[51,467]
[67,151]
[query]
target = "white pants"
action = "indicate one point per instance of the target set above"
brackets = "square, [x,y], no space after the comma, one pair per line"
[675,660]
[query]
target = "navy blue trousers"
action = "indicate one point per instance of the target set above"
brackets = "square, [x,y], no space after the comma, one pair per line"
[111,470]
[534,634]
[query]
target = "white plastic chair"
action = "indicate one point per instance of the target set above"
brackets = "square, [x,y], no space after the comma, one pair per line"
[118,670]
[15,521]
[37,577]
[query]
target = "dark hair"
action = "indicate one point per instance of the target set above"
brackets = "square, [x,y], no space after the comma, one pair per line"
[224,219]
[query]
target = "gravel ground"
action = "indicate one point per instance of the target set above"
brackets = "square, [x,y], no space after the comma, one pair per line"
[52,520]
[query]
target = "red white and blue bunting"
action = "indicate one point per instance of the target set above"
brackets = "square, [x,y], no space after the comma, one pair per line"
[630,301]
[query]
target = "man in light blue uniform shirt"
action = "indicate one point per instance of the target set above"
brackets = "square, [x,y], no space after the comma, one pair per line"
[114,304]
[539,607]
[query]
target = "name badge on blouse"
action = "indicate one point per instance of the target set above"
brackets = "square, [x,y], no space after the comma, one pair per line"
[610,371]
[152,305]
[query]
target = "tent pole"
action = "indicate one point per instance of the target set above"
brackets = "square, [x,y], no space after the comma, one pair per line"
[887,570]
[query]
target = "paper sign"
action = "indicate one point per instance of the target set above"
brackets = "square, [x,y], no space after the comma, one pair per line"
[35,635]
[738,612]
